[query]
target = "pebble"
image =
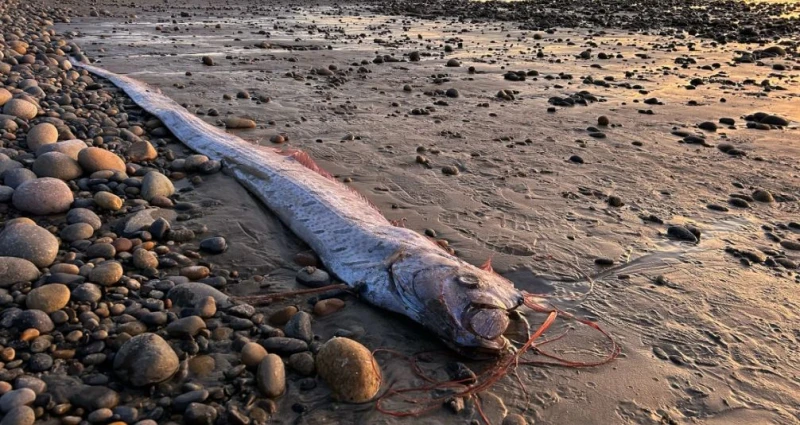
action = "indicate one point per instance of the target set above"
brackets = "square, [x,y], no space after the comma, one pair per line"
[739,203]
[195,272]
[252,354]
[93,397]
[790,245]
[29,242]
[303,363]
[186,327]
[349,369]
[48,298]
[199,414]
[313,277]
[761,195]
[87,292]
[156,184]
[280,344]
[14,270]
[40,135]
[239,123]
[106,273]
[329,306]
[283,315]
[96,159]
[214,245]
[70,148]
[15,177]
[108,201]
[144,259]
[299,327]
[16,398]
[21,109]
[271,376]
[146,359]
[142,151]
[83,215]
[57,165]
[681,233]
[514,419]
[43,196]
[21,415]
[76,232]
[206,308]
[190,294]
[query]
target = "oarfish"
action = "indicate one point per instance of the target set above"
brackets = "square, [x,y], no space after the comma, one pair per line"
[389,266]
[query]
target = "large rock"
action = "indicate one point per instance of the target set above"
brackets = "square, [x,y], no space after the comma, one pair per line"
[13,270]
[43,196]
[156,184]
[271,376]
[30,242]
[40,135]
[57,165]
[21,109]
[96,159]
[70,148]
[349,370]
[48,298]
[22,415]
[16,398]
[146,359]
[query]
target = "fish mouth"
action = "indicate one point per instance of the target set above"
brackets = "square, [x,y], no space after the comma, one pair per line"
[489,349]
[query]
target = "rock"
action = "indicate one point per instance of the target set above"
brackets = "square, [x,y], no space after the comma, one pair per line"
[145,219]
[87,292]
[453,63]
[199,414]
[283,315]
[186,327]
[763,196]
[239,123]
[20,108]
[681,233]
[14,270]
[271,376]
[156,184]
[708,126]
[739,203]
[146,359]
[30,242]
[96,159]
[5,96]
[6,194]
[280,344]
[142,151]
[195,272]
[37,320]
[215,245]
[16,398]
[190,294]
[106,273]
[313,277]
[206,308]
[325,307]
[790,245]
[43,196]
[194,162]
[21,415]
[144,259]
[48,298]
[207,60]
[775,120]
[514,419]
[108,201]
[181,402]
[57,165]
[349,369]
[83,215]
[101,250]
[93,397]
[70,148]
[15,177]
[77,232]
[603,121]
[450,170]
[40,135]
[299,326]
[40,362]
[302,363]
[252,354]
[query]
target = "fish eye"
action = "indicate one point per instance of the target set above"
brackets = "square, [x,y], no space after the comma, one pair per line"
[468,280]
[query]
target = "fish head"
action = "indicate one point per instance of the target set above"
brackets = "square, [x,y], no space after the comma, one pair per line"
[467,307]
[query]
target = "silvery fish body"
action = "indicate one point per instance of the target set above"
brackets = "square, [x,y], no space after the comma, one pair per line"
[391,267]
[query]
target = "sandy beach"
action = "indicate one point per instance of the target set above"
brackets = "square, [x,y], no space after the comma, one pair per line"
[621,145]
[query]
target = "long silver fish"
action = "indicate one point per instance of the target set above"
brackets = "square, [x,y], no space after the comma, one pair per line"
[391,267]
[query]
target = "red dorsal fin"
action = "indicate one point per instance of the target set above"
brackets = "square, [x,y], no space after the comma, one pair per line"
[487,266]
[305,160]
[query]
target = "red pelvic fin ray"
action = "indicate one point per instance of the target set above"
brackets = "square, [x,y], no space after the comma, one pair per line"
[487,266]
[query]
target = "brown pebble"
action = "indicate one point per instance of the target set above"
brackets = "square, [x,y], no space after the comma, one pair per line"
[122,244]
[329,306]
[29,334]
[306,259]
[195,272]
[283,315]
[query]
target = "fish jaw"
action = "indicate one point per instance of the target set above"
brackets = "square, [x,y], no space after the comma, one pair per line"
[465,306]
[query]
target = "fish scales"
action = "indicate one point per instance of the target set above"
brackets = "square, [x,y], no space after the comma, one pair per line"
[392,267]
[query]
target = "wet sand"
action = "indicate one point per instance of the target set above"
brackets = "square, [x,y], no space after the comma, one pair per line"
[706,338]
